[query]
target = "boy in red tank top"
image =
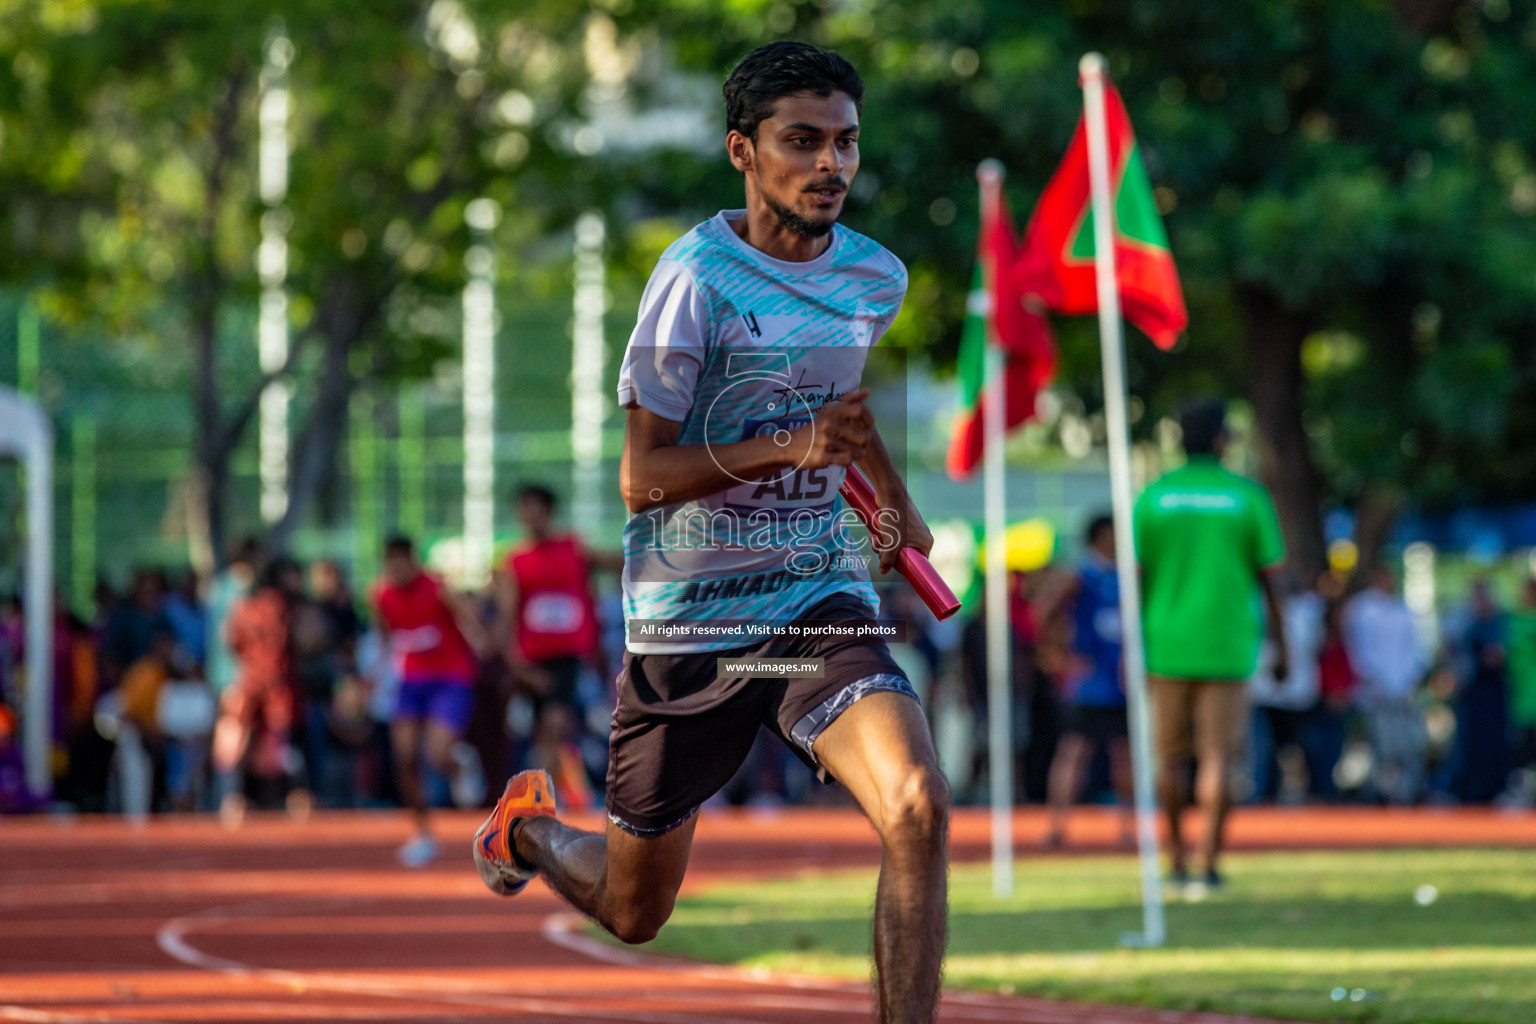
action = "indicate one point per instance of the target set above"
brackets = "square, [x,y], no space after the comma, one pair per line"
[433,638]
[549,624]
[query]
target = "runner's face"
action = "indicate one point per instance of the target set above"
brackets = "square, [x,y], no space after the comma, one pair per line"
[399,569]
[804,160]
[533,514]
[1104,543]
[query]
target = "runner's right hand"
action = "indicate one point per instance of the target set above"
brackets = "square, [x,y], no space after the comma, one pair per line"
[838,434]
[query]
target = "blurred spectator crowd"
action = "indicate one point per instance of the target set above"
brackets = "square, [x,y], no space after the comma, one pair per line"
[1379,706]
[1372,711]
[271,684]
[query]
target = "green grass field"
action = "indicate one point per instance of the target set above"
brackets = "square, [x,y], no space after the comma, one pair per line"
[1307,936]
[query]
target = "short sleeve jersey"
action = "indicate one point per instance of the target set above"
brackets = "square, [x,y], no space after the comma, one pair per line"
[1522,668]
[1202,535]
[733,344]
[424,638]
[1096,637]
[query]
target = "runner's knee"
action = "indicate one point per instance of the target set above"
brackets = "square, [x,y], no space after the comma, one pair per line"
[438,754]
[1213,779]
[915,807]
[638,921]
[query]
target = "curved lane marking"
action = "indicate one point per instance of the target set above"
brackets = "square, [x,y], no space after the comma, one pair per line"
[30,1016]
[172,940]
[568,931]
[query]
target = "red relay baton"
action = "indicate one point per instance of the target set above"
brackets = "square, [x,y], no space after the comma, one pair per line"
[910,562]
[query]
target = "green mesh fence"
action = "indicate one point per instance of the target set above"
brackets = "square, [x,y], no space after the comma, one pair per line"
[122,412]
[124,435]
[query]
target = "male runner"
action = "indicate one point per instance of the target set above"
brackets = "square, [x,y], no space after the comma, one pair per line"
[1208,541]
[432,637]
[548,623]
[715,442]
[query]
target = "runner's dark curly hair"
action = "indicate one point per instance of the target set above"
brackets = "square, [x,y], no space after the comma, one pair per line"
[776,70]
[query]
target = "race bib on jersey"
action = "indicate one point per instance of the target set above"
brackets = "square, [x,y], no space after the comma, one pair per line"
[787,488]
[763,399]
[415,641]
[1106,623]
[553,613]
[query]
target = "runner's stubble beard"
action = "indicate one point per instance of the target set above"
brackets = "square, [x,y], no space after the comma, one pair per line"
[792,221]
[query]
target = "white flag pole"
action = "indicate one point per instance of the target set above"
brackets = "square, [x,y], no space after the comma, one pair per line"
[479,366]
[989,176]
[589,398]
[272,270]
[1112,347]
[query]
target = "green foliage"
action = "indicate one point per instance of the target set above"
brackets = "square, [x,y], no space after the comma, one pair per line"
[1367,163]
[128,167]
[121,190]
[1362,161]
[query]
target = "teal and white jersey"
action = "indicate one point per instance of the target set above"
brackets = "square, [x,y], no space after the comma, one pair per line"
[732,344]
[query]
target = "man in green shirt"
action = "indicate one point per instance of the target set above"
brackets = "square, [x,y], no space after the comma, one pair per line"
[1522,692]
[1207,540]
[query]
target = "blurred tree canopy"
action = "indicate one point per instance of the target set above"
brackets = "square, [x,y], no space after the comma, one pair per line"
[128,166]
[1348,187]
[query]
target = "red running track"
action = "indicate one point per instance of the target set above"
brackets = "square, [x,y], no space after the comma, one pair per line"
[103,921]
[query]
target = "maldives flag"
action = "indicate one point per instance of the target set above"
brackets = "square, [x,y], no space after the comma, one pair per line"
[1056,262]
[995,312]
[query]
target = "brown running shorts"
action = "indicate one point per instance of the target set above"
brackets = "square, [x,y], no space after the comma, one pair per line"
[680,730]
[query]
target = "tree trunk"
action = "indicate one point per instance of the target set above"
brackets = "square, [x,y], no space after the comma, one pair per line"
[346,315]
[1275,336]
[206,525]
[1375,515]
[319,440]
[210,483]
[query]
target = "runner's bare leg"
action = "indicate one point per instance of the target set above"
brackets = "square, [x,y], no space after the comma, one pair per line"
[880,749]
[1213,786]
[624,883]
[437,742]
[1171,783]
[1065,783]
[1173,710]
[405,737]
[1122,777]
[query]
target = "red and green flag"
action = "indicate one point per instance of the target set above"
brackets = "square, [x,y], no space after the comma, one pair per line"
[996,313]
[1056,259]
[1053,269]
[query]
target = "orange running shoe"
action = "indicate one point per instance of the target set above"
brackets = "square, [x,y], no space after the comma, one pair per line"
[528,794]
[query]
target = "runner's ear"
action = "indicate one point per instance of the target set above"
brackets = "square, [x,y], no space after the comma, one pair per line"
[741,151]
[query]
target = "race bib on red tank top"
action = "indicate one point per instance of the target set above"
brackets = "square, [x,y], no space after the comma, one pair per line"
[424,637]
[557,618]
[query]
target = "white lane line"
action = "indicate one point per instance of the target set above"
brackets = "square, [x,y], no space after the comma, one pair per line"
[568,931]
[172,940]
[31,1016]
